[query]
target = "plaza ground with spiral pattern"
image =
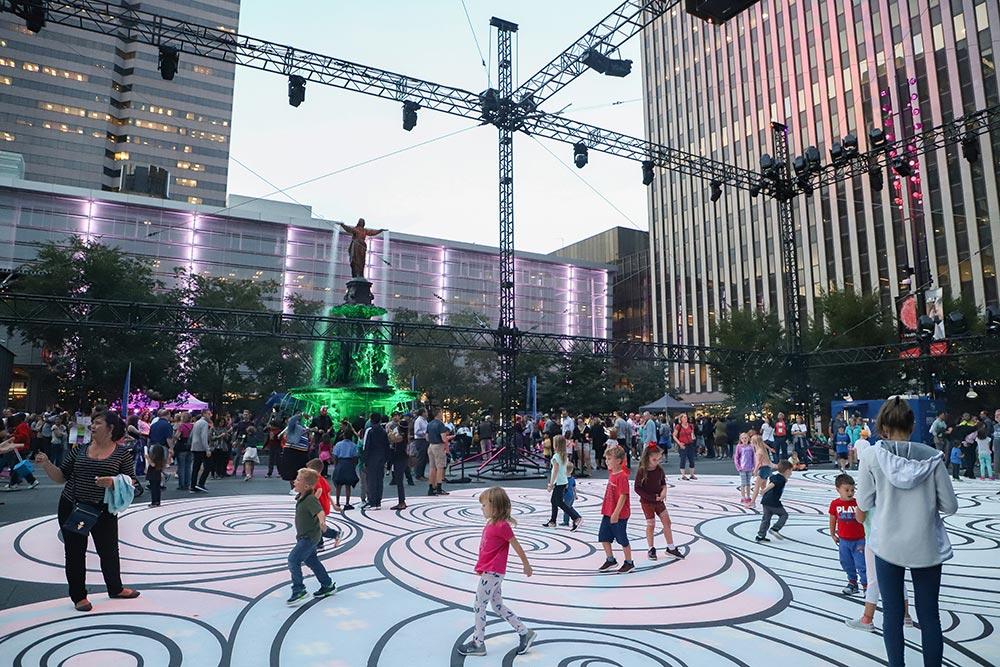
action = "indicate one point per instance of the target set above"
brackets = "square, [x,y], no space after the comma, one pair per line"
[214,582]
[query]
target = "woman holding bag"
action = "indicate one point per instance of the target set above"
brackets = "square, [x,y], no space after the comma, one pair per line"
[87,471]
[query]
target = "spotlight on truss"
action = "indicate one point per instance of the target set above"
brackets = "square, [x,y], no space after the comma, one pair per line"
[410,115]
[970,148]
[33,13]
[168,60]
[647,172]
[296,90]
[580,157]
[716,187]
[607,66]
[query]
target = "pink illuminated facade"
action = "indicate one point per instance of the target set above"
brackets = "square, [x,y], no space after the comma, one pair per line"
[825,69]
[306,256]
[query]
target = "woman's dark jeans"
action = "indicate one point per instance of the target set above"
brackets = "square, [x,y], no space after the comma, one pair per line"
[926,587]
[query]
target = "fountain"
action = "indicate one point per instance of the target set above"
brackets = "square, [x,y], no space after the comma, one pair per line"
[352,378]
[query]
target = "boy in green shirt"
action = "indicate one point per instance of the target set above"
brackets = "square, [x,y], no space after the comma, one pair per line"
[310,522]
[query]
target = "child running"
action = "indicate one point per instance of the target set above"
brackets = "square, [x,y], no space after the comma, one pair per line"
[558,483]
[615,511]
[849,535]
[310,522]
[651,485]
[250,459]
[498,537]
[771,503]
[761,466]
[744,457]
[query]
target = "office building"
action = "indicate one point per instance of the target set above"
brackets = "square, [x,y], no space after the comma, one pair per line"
[826,70]
[628,251]
[92,111]
[263,240]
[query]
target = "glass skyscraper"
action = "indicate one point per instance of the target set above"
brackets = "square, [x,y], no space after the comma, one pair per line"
[92,111]
[825,69]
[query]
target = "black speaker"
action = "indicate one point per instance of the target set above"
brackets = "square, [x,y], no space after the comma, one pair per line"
[717,11]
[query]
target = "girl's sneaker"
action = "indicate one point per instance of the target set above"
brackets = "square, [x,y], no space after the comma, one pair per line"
[472,648]
[651,553]
[860,624]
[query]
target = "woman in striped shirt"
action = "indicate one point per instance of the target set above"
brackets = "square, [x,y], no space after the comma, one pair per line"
[86,473]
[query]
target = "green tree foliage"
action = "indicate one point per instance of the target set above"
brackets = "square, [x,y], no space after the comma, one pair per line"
[89,366]
[580,383]
[846,319]
[462,380]
[957,374]
[752,387]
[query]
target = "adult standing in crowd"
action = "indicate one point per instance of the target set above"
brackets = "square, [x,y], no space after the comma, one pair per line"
[420,444]
[182,450]
[598,437]
[800,437]
[295,452]
[87,471]
[939,431]
[781,436]
[438,437]
[201,451]
[273,443]
[398,435]
[20,433]
[721,438]
[487,434]
[375,453]
[684,439]
[908,486]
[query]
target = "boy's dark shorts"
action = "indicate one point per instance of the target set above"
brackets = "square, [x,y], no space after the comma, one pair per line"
[613,532]
[843,455]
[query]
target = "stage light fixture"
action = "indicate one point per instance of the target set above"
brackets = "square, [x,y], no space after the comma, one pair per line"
[993,320]
[607,66]
[876,137]
[850,144]
[716,187]
[755,190]
[768,167]
[925,328]
[800,165]
[955,324]
[580,157]
[814,158]
[837,153]
[167,63]
[33,13]
[489,100]
[410,115]
[647,172]
[901,167]
[296,90]
[970,148]
[876,179]
[806,185]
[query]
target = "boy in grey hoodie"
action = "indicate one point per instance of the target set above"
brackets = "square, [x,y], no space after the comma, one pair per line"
[909,484]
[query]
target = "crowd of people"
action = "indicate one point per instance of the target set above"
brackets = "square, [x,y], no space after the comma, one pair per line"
[901,491]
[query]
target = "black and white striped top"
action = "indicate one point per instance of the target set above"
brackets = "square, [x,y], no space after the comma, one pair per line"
[80,471]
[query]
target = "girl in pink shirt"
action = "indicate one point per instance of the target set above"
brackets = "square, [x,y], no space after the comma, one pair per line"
[498,537]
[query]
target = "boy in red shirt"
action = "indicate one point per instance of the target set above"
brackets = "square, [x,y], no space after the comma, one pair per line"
[848,534]
[322,493]
[615,511]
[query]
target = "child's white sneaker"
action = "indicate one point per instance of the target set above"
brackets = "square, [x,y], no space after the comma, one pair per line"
[472,648]
[860,624]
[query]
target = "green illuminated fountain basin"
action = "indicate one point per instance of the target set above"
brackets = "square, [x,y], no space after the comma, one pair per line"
[352,378]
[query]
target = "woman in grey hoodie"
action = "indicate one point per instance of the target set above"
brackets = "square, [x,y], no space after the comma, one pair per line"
[909,484]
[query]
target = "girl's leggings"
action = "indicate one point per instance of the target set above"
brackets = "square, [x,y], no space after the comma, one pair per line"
[489,593]
[985,465]
[559,503]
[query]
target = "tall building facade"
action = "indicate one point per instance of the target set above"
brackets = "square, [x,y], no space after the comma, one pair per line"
[262,240]
[628,251]
[825,69]
[92,111]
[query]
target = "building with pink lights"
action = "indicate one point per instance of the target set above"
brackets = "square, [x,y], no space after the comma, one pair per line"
[263,240]
[826,70]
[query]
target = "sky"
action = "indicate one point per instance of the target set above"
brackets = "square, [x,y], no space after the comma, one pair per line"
[446,188]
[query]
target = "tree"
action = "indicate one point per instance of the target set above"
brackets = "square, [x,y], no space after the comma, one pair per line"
[847,319]
[751,388]
[89,365]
